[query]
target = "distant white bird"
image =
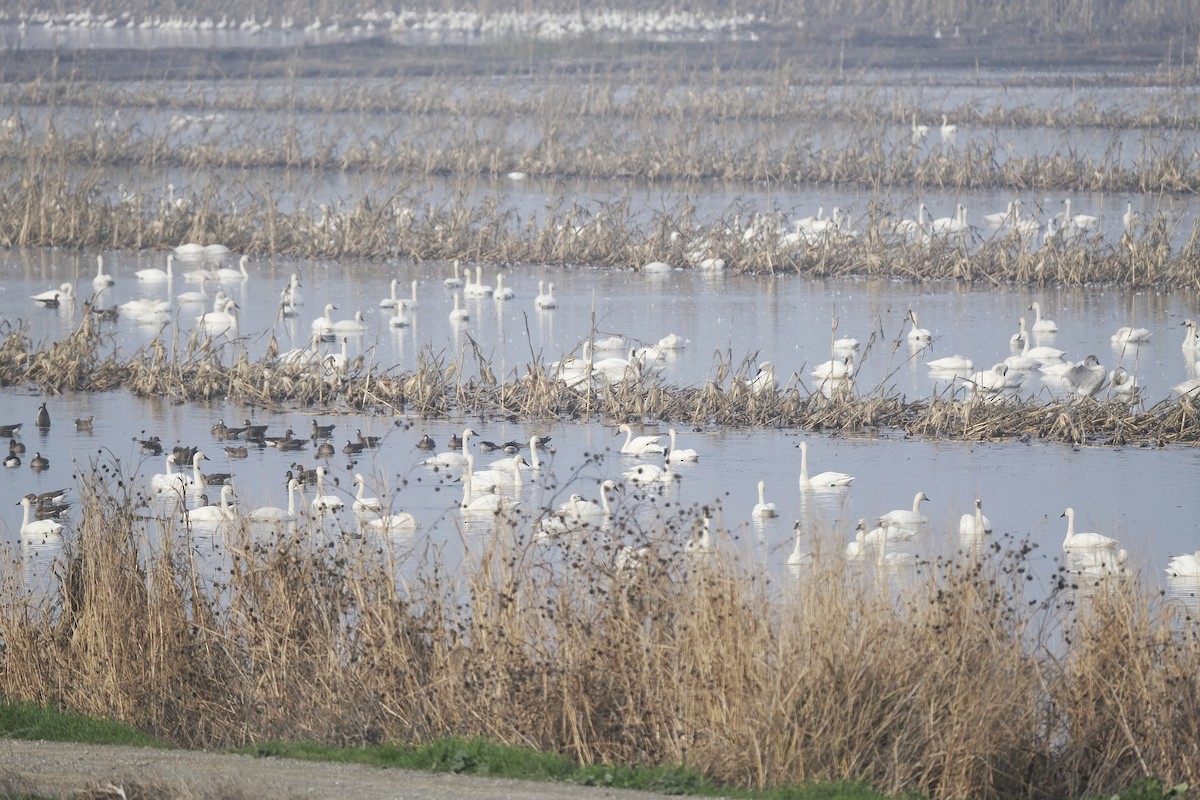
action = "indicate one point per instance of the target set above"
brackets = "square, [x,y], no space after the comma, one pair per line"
[836,369]
[103,280]
[40,527]
[903,517]
[949,131]
[822,480]
[458,314]
[973,527]
[678,456]
[919,132]
[764,381]
[1087,378]
[916,333]
[1191,337]
[454,282]
[1186,565]
[156,275]
[639,445]
[545,299]
[954,363]
[1041,325]
[502,292]
[1086,540]
[361,502]
[763,509]
[799,556]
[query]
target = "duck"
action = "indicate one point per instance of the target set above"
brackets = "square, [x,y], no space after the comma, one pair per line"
[274,513]
[36,528]
[103,280]
[763,509]
[639,445]
[1085,540]
[361,502]
[16,447]
[325,450]
[84,423]
[822,480]
[905,518]
[545,299]
[43,417]
[39,462]
[1041,325]
[678,456]
[427,443]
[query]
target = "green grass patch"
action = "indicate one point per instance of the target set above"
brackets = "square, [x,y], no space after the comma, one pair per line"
[29,721]
[481,757]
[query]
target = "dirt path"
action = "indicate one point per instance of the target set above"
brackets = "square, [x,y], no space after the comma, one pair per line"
[62,769]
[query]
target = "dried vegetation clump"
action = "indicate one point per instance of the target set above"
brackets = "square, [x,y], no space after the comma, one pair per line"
[959,686]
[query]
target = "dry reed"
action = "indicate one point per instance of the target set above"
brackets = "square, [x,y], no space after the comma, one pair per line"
[956,687]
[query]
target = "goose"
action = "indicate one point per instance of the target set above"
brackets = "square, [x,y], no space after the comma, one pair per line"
[223,321]
[102,280]
[856,548]
[1085,379]
[972,527]
[1086,540]
[362,503]
[451,458]
[949,132]
[325,502]
[546,300]
[678,456]
[1186,565]
[639,445]
[917,333]
[458,314]
[903,517]
[1191,337]
[53,297]
[1017,340]
[356,325]
[454,282]
[230,274]
[822,480]
[763,509]
[1041,325]
[919,132]
[156,275]
[324,323]
[214,513]
[502,292]
[799,556]
[41,527]
[954,363]
[1128,335]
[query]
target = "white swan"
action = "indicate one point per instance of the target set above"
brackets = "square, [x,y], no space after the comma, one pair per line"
[763,508]
[799,556]
[170,480]
[1086,540]
[917,333]
[1186,565]
[836,369]
[324,323]
[356,325]
[702,544]
[919,132]
[1085,379]
[972,527]
[393,522]
[290,295]
[911,228]
[1023,360]
[1017,340]
[458,314]
[990,381]
[400,317]
[502,292]
[391,301]
[639,445]
[649,474]
[822,480]
[411,302]
[577,514]
[492,479]
[65,292]
[156,275]
[223,321]
[882,535]
[949,131]
[903,517]
[325,502]
[1000,217]
[361,502]
[229,274]
[478,288]
[195,295]
[452,458]
[274,513]
[673,341]
[483,503]
[1041,325]
[454,282]
[1128,335]
[546,299]
[40,527]
[1079,222]
[764,381]
[102,280]
[954,363]
[679,456]
[215,513]
[856,548]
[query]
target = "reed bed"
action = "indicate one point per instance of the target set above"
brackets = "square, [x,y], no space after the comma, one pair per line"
[951,683]
[201,369]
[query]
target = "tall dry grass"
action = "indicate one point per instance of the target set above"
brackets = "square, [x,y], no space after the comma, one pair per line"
[955,686]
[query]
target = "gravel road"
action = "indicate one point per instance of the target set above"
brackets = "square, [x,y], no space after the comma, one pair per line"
[63,769]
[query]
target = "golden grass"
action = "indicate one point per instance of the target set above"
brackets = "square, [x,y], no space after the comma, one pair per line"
[958,686]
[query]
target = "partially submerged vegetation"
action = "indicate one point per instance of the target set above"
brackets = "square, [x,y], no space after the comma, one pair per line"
[621,645]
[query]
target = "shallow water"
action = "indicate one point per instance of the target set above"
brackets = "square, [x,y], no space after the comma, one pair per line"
[1141,496]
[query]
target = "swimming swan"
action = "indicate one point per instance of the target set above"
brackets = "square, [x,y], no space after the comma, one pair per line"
[1086,540]
[639,445]
[1041,325]
[903,517]
[763,509]
[822,480]
[546,299]
[41,527]
[274,513]
[215,513]
[362,503]
[679,456]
